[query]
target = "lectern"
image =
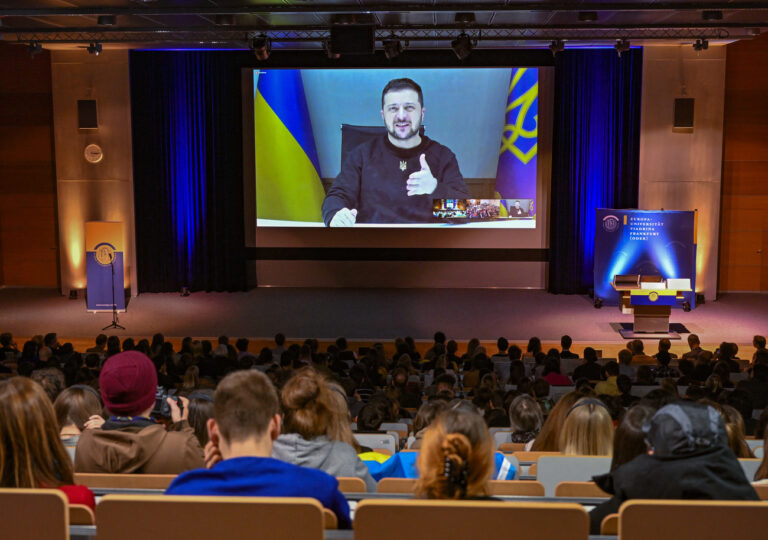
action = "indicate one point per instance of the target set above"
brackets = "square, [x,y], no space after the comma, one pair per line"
[650,299]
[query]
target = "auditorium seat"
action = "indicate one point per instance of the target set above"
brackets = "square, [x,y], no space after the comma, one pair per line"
[79,514]
[579,489]
[762,491]
[351,484]
[489,520]
[555,469]
[675,519]
[128,517]
[33,514]
[526,460]
[507,447]
[610,525]
[750,467]
[124,481]
[502,488]
[377,440]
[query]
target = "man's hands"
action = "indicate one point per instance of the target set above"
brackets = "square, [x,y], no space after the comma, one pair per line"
[94,422]
[344,218]
[176,414]
[421,182]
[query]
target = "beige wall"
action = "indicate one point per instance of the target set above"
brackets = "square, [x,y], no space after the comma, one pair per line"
[682,171]
[92,192]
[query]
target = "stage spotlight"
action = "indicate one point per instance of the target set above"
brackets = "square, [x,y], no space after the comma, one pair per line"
[462,46]
[587,16]
[34,48]
[185,291]
[261,46]
[106,20]
[94,48]
[392,47]
[712,15]
[598,303]
[686,306]
[556,46]
[622,45]
[701,45]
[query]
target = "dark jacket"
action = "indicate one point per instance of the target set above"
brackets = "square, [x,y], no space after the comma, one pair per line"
[148,449]
[691,460]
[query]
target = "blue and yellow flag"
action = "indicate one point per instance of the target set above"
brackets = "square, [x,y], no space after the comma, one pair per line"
[516,173]
[288,182]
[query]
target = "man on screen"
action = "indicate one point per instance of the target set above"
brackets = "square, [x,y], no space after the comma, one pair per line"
[518,211]
[394,178]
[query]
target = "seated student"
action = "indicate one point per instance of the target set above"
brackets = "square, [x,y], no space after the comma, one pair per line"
[308,421]
[245,424]
[629,439]
[565,345]
[552,373]
[587,429]
[31,453]
[525,419]
[456,459]
[424,417]
[130,441]
[687,458]
[625,359]
[609,385]
[590,369]
[76,408]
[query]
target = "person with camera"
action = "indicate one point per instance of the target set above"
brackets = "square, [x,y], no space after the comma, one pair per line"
[132,441]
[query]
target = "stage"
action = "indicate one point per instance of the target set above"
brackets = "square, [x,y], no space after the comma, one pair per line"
[369,314]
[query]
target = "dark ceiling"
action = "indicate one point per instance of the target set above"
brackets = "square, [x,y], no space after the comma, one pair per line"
[305,24]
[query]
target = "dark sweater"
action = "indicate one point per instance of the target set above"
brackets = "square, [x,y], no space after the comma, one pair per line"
[372,181]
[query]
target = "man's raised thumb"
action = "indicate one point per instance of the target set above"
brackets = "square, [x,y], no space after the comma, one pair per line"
[354,212]
[423,161]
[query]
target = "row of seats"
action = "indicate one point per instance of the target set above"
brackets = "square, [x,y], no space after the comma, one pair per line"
[127,517]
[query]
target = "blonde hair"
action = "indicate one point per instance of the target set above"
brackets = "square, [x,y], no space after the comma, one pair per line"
[31,453]
[548,439]
[339,429]
[587,430]
[456,457]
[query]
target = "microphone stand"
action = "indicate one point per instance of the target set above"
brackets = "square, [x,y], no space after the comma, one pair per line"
[114,323]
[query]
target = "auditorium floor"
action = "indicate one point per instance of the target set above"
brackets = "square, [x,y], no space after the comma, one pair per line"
[369,314]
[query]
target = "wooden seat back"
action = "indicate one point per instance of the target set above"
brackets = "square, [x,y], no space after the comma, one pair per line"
[79,514]
[579,489]
[33,514]
[128,517]
[762,491]
[125,481]
[351,484]
[610,525]
[489,520]
[675,519]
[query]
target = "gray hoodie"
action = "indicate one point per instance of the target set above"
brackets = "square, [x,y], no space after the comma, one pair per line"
[334,457]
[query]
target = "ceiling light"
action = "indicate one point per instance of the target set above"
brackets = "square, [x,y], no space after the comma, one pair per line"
[556,46]
[94,48]
[587,16]
[261,46]
[392,47]
[462,46]
[34,48]
[622,45]
[106,20]
[701,45]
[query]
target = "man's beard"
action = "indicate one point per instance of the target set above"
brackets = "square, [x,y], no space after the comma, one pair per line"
[411,133]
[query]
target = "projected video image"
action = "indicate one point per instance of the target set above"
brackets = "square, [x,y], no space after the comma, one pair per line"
[396,147]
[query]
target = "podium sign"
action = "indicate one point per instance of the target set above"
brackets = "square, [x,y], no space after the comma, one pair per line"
[648,243]
[104,265]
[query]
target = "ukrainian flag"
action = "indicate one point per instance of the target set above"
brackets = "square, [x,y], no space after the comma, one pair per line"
[516,172]
[288,184]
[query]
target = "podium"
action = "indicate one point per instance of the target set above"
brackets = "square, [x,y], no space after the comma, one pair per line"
[650,299]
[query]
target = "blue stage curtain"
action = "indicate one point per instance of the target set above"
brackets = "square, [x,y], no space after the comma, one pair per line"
[187,168]
[595,155]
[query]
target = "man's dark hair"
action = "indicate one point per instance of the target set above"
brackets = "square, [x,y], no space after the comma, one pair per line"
[446,378]
[223,340]
[396,85]
[50,339]
[611,368]
[624,384]
[242,344]
[502,344]
[5,339]
[243,405]
[372,415]
[341,343]
[439,337]
[566,342]
[759,342]
[590,355]
[279,340]
[101,340]
[515,353]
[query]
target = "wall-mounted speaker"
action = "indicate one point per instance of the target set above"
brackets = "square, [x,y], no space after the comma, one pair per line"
[86,114]
[683,120]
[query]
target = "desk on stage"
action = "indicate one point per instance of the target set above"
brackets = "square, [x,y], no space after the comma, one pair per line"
[650,299]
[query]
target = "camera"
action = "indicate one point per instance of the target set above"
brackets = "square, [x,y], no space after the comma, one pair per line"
[162,408]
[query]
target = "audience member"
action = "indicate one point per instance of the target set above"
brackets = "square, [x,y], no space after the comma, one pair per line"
[200,411]
[688,458]
[31,452]
[590,369]
[308,416]
[565,346]
[456,458]
[624,384]
[548,439]
[131,441]
[525,419]
[637,348]
[609,386]
[625,359]
[242,432]
[757,385]
[552,373]
[587,429]
[629,438]
[76,408]
[696,351]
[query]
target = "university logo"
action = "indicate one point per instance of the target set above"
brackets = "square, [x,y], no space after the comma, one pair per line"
[104,254]
[610,223]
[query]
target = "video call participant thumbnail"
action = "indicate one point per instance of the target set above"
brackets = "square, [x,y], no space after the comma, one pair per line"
[394,178]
